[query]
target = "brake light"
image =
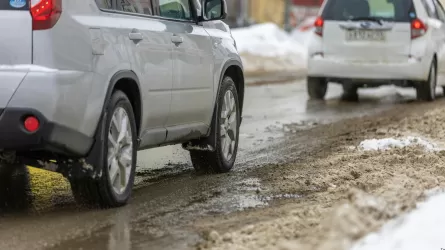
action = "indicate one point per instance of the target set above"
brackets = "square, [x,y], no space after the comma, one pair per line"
[318,24]
[418,28]
[45,13]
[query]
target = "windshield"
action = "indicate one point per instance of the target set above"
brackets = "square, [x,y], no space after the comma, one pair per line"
[388,10]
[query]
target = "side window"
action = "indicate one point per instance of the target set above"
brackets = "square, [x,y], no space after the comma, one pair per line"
[176,9]
[430,8]
[440,10]
[135,6]
[104,4]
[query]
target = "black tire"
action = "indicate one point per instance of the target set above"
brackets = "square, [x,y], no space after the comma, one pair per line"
[214,161]
[99,192]
[316,88]
[426,90]
[350,92]
[15,190]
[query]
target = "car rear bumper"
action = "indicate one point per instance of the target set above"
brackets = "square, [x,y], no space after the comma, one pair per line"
[412,69]
[50,136]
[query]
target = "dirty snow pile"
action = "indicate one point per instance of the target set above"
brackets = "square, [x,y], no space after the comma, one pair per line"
[388,143]
[423,228]
[267,48]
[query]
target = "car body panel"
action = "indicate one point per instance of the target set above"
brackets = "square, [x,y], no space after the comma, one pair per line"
[224,52]
[192,79]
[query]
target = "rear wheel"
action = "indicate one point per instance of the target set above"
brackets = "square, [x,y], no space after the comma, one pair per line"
[350,92]
[226,120]
[113,188]
[426,90]
[15,191]
[317,88]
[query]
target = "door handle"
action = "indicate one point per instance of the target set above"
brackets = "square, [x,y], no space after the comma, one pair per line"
[177,39]
[135,36]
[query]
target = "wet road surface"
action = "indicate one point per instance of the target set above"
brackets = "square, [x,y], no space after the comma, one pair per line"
[169,197]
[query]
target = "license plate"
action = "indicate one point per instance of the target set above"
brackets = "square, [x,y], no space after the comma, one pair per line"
[365,35]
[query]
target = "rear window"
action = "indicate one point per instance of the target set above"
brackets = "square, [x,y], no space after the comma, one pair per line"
[387,10]
[14,5]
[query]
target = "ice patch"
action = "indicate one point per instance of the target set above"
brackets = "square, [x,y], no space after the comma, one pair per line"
[420,229]
[26,67]
[388,143]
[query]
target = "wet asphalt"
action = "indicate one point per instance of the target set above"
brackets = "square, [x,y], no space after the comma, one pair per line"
[169,196]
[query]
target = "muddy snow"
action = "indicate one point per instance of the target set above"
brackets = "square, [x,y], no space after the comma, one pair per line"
[344,195]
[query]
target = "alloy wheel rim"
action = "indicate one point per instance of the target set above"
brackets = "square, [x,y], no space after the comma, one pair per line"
[120,150]
[228,125]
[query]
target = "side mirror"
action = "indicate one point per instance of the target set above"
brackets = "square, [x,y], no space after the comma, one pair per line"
[213,10]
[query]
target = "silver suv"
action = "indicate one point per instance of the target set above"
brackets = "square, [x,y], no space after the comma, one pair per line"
[85,85]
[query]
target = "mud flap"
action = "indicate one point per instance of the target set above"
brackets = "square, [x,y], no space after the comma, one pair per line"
[91,165]
[204,144]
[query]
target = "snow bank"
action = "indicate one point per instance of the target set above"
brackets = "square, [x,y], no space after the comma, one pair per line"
[266,40]
[267,48]
[420,229]
[388,143]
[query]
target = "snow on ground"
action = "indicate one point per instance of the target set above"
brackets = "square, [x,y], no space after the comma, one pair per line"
[266,48]
[388,143]
[267,40]
[423,228]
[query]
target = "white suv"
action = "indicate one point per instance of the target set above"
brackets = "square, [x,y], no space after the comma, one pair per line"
[85,84]
[369,43]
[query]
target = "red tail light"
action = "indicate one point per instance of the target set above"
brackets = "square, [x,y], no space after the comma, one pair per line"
[45,13]
[318,24]
[31,124]
[418,28]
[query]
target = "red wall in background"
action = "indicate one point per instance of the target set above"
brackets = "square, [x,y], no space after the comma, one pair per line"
[307,2]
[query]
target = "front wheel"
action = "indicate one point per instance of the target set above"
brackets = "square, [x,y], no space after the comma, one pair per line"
[113,188]
[226,122]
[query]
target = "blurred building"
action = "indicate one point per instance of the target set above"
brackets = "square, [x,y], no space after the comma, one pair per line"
[237,13]
[245,12]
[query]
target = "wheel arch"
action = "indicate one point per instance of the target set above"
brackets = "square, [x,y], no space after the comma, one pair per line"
[234,69]
[128,82]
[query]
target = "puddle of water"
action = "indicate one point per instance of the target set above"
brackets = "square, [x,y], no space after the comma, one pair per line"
[247,194]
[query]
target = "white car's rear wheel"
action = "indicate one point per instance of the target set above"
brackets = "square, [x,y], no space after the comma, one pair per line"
[350,92]
[426,90]
[317,88]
